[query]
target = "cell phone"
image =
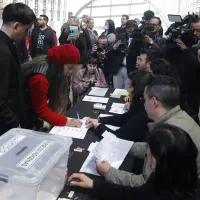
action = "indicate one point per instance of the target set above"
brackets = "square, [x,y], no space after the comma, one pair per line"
[73,31]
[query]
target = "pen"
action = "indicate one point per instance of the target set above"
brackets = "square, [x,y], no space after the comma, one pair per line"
[77,113]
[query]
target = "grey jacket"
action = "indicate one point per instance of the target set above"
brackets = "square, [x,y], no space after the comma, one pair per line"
[176,117]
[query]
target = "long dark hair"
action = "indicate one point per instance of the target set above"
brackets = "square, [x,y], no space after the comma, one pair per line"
[111,25]
[138,80]
[175,154]
[57,81]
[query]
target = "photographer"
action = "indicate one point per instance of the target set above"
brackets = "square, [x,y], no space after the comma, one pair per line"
[127,51]
[152,38]
[106,60]
[191,51]
[183,55]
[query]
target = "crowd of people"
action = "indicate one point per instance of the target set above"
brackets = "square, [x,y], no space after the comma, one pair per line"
[38,72]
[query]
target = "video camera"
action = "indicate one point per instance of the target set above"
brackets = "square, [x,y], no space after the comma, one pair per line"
[124,41]
[145,29]
[181,28]
[102,49]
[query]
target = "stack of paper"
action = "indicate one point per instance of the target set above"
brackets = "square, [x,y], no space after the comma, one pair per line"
[118,108]
[110,149]
[96,99]
[92,146]
[105,115]
[72,132]
[114,128]
[121,92]
[101,92]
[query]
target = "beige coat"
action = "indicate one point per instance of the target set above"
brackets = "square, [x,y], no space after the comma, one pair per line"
[176,117]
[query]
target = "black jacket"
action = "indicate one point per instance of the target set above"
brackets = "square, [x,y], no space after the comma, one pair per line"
[134,51]
[41,41]
[80,44]
[11,92]
[144,192]
[133,124]
[22,51]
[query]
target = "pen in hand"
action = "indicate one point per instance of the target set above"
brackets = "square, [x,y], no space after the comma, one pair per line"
[77,113]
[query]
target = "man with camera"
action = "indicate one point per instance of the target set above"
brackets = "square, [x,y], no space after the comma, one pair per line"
[152,36]
[191,70]
[127,49]
[107,59]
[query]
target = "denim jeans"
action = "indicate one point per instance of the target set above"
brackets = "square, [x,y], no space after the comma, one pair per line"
[120,80]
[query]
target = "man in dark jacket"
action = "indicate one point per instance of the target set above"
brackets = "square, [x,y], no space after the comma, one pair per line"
[42,38]
[122,28]
[21,45]
[17,20]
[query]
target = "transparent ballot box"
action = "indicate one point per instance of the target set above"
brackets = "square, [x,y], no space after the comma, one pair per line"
[32,165]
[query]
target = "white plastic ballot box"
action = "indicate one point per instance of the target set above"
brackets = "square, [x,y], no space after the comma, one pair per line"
[32,165]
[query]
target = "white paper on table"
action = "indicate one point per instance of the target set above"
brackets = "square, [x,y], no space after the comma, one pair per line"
[113,150]
[118,105]
[118,91]
[89,166]
[96,99]
[105,115]
[118,110]
[92,146]
[113,128]
[109,135]
[72,132]
[96,91]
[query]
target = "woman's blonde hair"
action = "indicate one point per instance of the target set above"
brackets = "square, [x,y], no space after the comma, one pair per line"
[65,26]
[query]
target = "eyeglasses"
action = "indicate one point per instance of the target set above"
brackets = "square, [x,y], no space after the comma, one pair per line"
[155,25]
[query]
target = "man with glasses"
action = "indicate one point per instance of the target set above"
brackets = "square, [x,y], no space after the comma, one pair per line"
[192,73]
[155,40]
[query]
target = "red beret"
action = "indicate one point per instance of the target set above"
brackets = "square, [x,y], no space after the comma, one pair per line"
[64,54]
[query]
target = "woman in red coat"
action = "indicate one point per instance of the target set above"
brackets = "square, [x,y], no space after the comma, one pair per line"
[45,87]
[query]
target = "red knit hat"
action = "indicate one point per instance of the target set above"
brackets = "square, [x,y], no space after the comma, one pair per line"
[64,54]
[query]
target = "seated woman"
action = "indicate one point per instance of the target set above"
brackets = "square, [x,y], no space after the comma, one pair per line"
[172,155]
[45,87]
[133,124]
[90,76]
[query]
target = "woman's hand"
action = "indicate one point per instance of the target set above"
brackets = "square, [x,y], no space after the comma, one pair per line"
[74,123]
[70,37]
[80,180]
[127,99]
[92,123]
[127,106]
[102,167]
[77,36]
